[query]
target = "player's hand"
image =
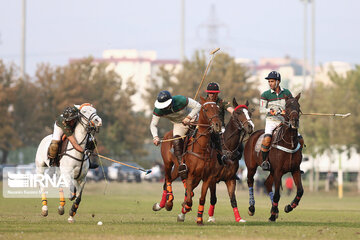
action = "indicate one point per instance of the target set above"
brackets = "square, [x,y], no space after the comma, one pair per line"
[186,120]
[272,112]
[156,141]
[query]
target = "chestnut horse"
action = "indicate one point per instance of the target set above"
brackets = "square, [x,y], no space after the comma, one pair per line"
[285,156]
[238,126]
[208,122]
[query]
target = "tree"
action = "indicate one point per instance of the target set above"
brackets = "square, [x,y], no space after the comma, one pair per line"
[9,139]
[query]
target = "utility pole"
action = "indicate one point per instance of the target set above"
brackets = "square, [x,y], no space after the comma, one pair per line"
[182,37]
[305,43]
[22,65]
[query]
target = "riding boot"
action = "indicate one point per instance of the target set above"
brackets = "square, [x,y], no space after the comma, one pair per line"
[178,150]
[52,152]
[216,144]
[265,147]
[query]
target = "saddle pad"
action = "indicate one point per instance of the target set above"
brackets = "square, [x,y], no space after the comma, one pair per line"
[258,143]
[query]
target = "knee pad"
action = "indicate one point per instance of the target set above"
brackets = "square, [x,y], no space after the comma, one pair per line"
[53,148]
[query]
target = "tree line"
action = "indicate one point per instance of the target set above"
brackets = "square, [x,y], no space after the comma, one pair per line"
[28,107]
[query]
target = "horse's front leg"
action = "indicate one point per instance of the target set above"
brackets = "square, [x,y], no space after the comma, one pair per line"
[276,199]
[297,179]
[213,200]
[250,182]
[231,185]
[190,184]
[77,201]
[202,199]
[61,209]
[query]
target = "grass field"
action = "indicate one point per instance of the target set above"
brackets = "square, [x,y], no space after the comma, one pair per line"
[126,211]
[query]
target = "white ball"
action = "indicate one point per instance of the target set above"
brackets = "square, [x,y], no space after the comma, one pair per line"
[99,223]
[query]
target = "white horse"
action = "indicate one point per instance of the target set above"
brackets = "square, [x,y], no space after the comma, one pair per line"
[73,163]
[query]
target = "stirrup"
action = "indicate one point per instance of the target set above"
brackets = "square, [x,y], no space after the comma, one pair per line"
[265,165]
[183,170]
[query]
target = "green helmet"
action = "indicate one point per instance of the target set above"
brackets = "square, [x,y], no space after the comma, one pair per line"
[70,113]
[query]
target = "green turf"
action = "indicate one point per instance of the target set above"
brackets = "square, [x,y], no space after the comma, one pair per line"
[126,211]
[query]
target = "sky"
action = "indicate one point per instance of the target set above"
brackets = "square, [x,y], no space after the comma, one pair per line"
[59,30]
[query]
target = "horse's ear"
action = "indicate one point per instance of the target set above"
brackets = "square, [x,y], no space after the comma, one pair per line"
[298,97]
[247,103]
[235,104]
[202,100]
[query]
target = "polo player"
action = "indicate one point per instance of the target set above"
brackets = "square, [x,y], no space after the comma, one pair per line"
[180,111]
[272,103]
[212,92]
[64,124]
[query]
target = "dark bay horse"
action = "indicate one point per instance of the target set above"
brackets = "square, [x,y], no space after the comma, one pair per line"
[238,126]
[208,122]
[285,156]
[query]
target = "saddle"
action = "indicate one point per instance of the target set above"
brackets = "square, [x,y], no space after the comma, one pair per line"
[276,137]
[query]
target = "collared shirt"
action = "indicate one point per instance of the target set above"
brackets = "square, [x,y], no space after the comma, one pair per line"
[271,100]
[181,107]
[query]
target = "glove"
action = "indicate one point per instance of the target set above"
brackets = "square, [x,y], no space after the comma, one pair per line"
[186,120]
[272,112]
[156,141]
[87,152]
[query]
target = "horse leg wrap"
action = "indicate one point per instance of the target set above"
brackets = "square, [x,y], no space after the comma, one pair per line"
[74,207]
[62,197]
[211,210]
[200,214]
[236,214]
[251,196]
[186,209]
[43,199]
[274,208]
[271,195]
[169,195]
[295,202]
[163,199]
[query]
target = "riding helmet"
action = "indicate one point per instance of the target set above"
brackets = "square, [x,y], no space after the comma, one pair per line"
[70,113]
[274,75]
[164,99]
[213,87]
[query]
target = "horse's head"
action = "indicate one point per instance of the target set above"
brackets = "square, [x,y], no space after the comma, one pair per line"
[292,111]
[242,117]
[89,117]
[209,114]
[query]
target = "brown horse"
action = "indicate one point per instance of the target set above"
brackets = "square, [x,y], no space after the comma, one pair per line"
[208,122]
[239,125]
[285,156]
[198,156]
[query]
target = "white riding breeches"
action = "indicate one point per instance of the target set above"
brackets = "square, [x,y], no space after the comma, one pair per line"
[57,134]
[180,129]
[270,125]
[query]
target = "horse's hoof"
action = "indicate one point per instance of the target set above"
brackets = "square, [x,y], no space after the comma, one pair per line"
[156,207]
[211,220]
[242,220]
[181,217]
[272,218]
[251,211]
[44,211]
[288,208]
[71,219]
[61,210]
[168,206]
[200,222]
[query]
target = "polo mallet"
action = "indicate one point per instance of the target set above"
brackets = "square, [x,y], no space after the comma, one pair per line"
[207,68]
[112,160]
[328,114]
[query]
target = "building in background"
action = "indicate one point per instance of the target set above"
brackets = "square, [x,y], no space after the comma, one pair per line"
[139,67]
